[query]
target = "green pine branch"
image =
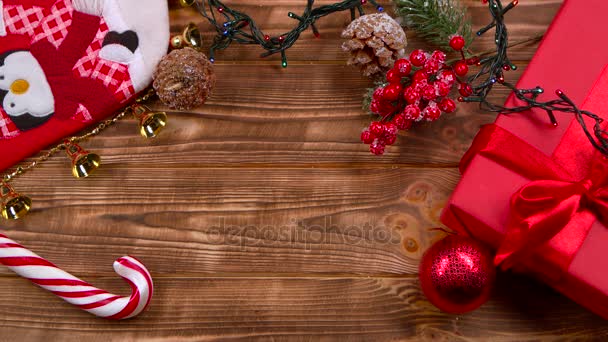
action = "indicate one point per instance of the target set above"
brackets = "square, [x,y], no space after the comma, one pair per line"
[436,20]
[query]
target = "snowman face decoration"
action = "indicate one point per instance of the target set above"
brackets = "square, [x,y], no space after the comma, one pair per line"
[25,93]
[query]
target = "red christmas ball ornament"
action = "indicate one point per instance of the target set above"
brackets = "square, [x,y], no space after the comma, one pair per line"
[457,274]
[457,43]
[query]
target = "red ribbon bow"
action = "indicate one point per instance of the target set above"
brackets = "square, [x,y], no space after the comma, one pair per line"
[541,209]
[550,202]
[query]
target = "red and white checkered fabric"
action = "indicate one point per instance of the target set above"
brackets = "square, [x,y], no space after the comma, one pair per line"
[19,20]
[53,25]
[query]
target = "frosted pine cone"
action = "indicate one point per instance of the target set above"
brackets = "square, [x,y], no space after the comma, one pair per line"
[184,79]
[375,42]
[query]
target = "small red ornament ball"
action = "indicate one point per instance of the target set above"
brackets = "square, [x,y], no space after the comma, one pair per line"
[457,43]
[461,68]
[393,77]
[457,274]
[392,92]
[418,58]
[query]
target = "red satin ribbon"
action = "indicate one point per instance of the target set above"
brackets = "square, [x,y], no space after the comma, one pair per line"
[552,202]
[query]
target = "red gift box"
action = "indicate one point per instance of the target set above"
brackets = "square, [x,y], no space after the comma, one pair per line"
[574,259]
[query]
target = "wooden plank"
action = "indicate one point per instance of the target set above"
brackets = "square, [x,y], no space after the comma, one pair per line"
[262,217]
[529,19]
[184,220]
[284,309]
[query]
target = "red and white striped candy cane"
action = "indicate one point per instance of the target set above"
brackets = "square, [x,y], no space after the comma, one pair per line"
[77,292]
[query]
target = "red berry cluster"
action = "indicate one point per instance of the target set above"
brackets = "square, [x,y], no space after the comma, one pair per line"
[418,89]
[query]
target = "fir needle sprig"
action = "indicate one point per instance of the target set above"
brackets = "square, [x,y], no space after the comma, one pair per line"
[436,21]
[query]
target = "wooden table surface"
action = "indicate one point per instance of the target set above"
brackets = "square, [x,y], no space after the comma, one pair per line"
[262,216]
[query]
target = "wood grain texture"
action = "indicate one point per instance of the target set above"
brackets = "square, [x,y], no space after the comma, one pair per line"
[301,309]
[262,217]
[205,220]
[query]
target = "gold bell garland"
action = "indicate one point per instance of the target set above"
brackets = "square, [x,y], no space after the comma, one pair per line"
[84,163]
[15,205]
[190,37]
[150,122]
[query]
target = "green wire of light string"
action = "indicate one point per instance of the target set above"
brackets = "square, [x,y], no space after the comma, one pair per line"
[234,26]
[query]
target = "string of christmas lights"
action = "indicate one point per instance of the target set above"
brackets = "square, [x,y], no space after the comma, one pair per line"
[234,26]
[492,71]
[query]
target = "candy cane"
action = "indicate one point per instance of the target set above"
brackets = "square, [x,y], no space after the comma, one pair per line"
[77,292]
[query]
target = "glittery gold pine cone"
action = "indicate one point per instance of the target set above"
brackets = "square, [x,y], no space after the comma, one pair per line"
[184,79]
[375,42]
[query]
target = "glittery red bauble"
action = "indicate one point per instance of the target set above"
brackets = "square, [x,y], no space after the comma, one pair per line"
[457,274]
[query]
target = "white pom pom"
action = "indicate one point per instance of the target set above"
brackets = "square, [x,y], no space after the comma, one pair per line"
[2,24]
[92,7]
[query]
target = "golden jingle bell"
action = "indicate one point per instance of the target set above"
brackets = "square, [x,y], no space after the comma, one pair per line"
[150,123]
[84,163]
[191,37]
[14,205]
[186,3]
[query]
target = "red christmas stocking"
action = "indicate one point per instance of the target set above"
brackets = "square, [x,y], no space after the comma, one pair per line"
[67,64]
